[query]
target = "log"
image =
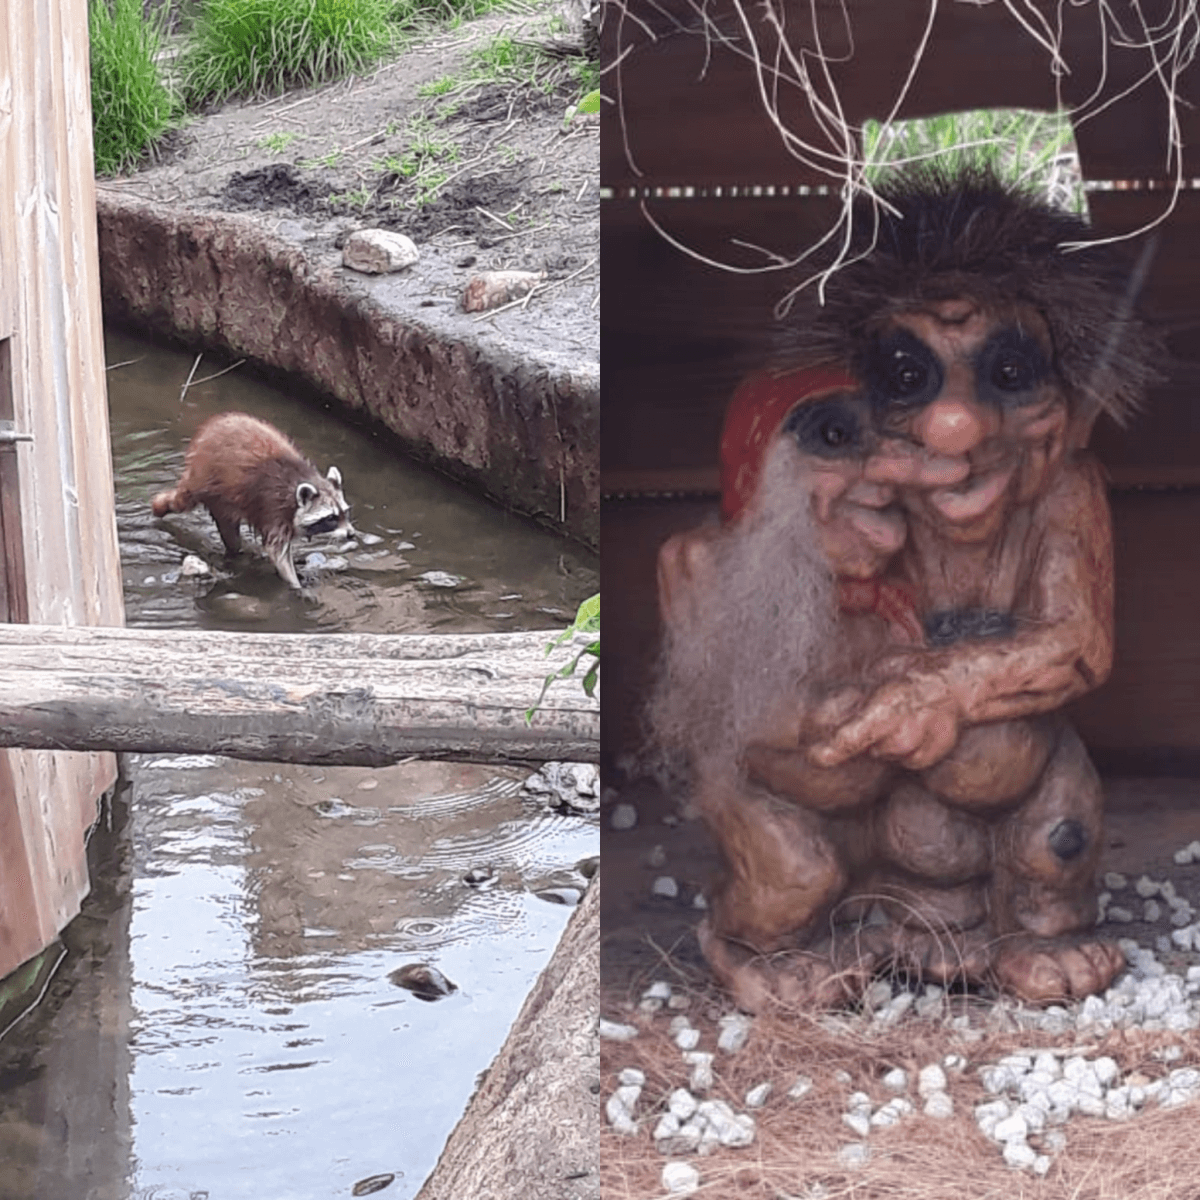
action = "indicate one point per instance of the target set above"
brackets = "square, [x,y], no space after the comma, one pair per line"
[333,699]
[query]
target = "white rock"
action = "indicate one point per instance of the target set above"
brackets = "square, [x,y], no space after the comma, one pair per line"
[1047,1064]
[899,1005]
[996,1079]
[1041,1165]
[858,1122]
[1118,915]
[1034,1116]
[1194,847]
[632,1077]
[757,1096]
[615,1031]
[955,1062]
[667,1127]
[990,1113]
[859,1102]
[1184,856]
[854,1154]
[658,990]
[1011,1128]
[931,1079]
[800,1088]
[1151,910]
[841,1076]
[623,816]
[687,1039]
[884,1117]
[1146,887]
[1106,1069]
[939,1105]
[733,1129]
[735,1029]
[896,1080]
[656,858]
[680,1178]
[619,1110]
[682,1104]
[699,900]
[1019,1155]
[1115,881]
[193,567]
[378,251]
[878,995]
[702,1072]
[665,885]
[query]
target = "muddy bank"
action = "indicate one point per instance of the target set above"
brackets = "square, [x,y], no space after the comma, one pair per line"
[491,408]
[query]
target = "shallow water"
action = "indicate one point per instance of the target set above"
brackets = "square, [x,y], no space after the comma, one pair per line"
[223,1024]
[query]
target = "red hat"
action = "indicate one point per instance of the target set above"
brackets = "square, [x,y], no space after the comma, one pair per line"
[758,408]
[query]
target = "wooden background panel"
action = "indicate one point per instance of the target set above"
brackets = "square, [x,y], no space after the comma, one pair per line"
[51,277]
[689,108]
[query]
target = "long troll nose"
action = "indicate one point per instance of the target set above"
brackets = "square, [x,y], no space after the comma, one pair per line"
[951,425]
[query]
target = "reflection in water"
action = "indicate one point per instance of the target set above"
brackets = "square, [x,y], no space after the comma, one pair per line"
[224,1024]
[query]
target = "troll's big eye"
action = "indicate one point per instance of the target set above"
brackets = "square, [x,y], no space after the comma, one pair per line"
[826,428]
[1010,364]
[903,373]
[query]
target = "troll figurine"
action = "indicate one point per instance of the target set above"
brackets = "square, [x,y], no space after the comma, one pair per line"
[865,664]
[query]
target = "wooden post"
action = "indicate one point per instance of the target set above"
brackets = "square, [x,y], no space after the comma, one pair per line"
[335,699]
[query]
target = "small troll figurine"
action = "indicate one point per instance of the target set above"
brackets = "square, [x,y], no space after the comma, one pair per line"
[865,664]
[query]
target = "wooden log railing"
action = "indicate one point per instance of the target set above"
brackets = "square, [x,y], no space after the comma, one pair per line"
[335,699]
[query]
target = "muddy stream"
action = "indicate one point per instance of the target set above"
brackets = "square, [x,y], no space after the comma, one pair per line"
[222,1023]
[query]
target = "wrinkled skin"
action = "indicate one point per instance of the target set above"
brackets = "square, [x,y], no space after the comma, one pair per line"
[932,775]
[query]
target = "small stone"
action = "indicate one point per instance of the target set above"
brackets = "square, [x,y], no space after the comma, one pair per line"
[931,1079]
[667,1127]
[1183,857]
[841,1076]
[680,1178]
[1194,848]
[1118,915]
[756,1097]
[885,1117]
[1019,1155]
[1115,881]
[632,1077]
[857,1122]
[735,1029]
[1047,1064]
[939,1105]
[996,1079]
[658,990]
[1041,1165]
[800,1088]
[896,1080]
[665,885]
[1106,1070]
[614,1031]
[699,900]
[900,1004]
[687,1039]
[1151,910]
[1011,1128]
[878,995]
[859,1102]
[682,1105]
[854,1154]
[955,1063]
[989,1114]
[378,251]
[656,858]
[194,567]
[1183,937]
[624,816]
[702,1073]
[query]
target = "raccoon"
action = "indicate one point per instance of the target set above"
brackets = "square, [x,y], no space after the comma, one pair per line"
[243,469]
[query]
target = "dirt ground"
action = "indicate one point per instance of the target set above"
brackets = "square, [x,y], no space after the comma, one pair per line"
[482,175]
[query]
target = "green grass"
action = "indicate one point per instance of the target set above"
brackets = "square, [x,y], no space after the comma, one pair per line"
[262,47]
[277,143]
[438,87]
[423,160]
[506,60]
[1035,149]
[131,105]
[420,16]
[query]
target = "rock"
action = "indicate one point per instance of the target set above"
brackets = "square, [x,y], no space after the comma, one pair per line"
[665,885]
[624,816]
[731,1129]
[378,251]
[857,1122]
[1014,1127]
[735,1029]
[931,1079]
[441,579]
[757,1096]
[574,786]
[896,1080]
[989,1114]
[680,1178]
[1151,910]
[424,981]
[854,1154]
[480,877]
[682,1104]
[1019,1155]
[1118,915]
[372,1184]
[194,567]
[939,1105]
[800,1088]
[632,1077]
[687,1039]
[658,990]
[1115,882]
[701,1062]
[615,1031]
[491,289]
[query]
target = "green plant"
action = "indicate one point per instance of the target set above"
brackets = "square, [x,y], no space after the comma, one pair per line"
[131,105]
[506,60]
[260,47]
[587,620]
[1034,149]
[417,16]
[276,143]
[438,87]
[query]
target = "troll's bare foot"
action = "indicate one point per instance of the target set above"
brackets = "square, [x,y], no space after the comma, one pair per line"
[1045,970]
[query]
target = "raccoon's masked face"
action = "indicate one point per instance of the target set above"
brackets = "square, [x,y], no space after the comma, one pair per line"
[321,507]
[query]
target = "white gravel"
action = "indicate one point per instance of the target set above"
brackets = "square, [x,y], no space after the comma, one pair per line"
[680,1178]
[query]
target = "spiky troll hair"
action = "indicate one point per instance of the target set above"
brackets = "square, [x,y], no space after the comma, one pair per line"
[942,235]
